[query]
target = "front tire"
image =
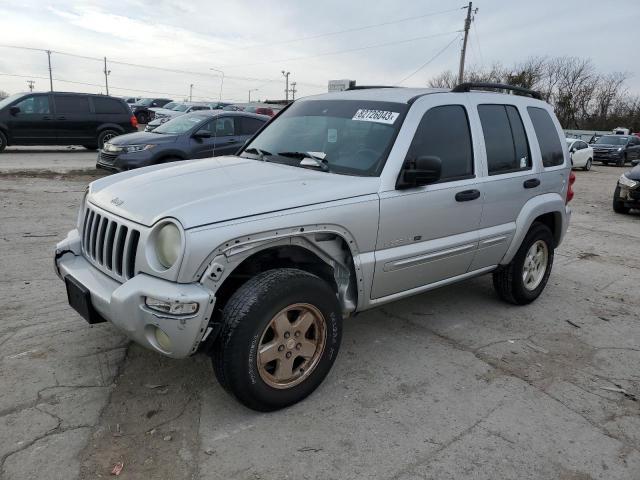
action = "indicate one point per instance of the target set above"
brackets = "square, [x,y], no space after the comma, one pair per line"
[618,205]
[587,166]
[281,335]
[523,279]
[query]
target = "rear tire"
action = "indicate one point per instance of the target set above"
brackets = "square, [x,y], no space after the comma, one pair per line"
[263,323]
[105,136]
[618,205]
[587,166]
[3,141]
[520,282]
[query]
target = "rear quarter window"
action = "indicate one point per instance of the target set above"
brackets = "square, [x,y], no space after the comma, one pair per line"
[547,135]
[108,105]
[71,104]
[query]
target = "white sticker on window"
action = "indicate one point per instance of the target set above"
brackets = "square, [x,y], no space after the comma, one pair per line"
[379,116]
[523,162]
[332,135]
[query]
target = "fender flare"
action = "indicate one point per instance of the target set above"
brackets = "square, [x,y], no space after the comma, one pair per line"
[535,207]
[316,239]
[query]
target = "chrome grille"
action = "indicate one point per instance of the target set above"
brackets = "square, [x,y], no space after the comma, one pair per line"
[109,244]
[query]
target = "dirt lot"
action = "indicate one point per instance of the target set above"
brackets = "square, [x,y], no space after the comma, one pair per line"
[450,384]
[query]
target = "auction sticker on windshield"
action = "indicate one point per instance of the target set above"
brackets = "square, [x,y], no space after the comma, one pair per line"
[379,116]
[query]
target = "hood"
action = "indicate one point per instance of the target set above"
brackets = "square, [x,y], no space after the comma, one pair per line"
[138,138]
[159,110]
[605,146]
[212,190]
[634,173]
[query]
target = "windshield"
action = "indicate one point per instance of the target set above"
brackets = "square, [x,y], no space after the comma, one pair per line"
[180,108]
[180,125]
[353,137]
[612,140]
[170,105]
[9,99]
[145,102]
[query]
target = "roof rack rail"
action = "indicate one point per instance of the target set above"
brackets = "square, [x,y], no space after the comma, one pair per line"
[468,86]
[366,87]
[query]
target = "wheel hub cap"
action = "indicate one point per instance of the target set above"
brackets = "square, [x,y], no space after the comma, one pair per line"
[291,345]
[535,265]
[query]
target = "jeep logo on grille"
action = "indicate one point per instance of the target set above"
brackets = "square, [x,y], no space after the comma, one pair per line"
[116,201]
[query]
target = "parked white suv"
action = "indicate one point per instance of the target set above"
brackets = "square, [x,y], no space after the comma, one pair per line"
[342,203]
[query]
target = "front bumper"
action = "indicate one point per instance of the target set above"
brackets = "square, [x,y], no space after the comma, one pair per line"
[610,156]
[119,162]
[123,304]
[630,196]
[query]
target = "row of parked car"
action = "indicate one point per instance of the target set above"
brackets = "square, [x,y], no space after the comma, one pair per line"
[615,148]
[67,118]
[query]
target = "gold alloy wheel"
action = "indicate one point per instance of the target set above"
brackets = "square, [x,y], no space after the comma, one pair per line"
[291,345]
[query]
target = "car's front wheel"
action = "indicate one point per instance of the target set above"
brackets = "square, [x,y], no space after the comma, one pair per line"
[587,166]
[618,205]
[281,335]
[105,136]
[523,279]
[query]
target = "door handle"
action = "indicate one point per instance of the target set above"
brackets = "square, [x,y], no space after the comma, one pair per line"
[531,183]
[61,117]
[467,195]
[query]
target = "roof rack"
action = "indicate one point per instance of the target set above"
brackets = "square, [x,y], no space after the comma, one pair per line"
[366,87]
[468,86]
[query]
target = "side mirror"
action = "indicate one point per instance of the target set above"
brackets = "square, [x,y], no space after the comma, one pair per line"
[635,163]
[14,110]
[420,171]
[202,134]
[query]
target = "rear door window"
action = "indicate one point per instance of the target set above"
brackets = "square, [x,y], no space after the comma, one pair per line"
[505,139]
[108,105]
[250,125]
[224,127]
[547,135]
[444,132]
[71,104]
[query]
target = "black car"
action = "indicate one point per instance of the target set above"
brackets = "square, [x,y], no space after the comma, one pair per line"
[616,149]
[627,193]
[141,108]
[202,134]
[61,118]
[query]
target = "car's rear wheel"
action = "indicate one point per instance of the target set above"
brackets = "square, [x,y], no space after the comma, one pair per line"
[3,141]
[105,136]
[618,205]
[587,166]
[281,335]
[143,117]
[523,279]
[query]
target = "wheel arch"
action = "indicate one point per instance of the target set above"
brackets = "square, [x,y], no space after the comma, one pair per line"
[328,254]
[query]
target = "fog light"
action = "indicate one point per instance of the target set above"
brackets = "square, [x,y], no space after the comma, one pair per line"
[173,308]
[164,342]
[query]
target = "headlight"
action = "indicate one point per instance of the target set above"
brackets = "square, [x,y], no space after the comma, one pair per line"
[619,149]
[136,148]
[168,245]
[627,182]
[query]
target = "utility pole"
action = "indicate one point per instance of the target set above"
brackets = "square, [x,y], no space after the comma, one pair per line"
[286,84]
[293,90]
[106,76]
[252,90]
[191,92]
[31,84]
[467,25]
[50,74]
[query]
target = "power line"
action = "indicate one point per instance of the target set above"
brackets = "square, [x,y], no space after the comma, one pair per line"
[339,52]
[429,61]
[151,67]
[339,32]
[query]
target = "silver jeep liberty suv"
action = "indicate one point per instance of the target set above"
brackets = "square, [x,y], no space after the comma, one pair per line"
[343,202]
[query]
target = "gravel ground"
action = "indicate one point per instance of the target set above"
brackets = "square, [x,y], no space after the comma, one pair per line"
[449,384]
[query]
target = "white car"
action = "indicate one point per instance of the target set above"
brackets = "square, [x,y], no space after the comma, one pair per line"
[581,153]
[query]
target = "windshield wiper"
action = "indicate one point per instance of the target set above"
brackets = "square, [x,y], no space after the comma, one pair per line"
[259,152]
[309,159]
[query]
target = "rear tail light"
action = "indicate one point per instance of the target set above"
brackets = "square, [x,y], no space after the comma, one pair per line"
[572,180]
[134,121]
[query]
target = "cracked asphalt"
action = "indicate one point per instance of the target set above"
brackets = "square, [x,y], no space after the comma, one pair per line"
[450,384]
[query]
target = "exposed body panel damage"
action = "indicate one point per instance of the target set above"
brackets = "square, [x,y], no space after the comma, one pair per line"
[330,244]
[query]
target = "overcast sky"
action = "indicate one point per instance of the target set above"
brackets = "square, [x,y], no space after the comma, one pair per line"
[253,41]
